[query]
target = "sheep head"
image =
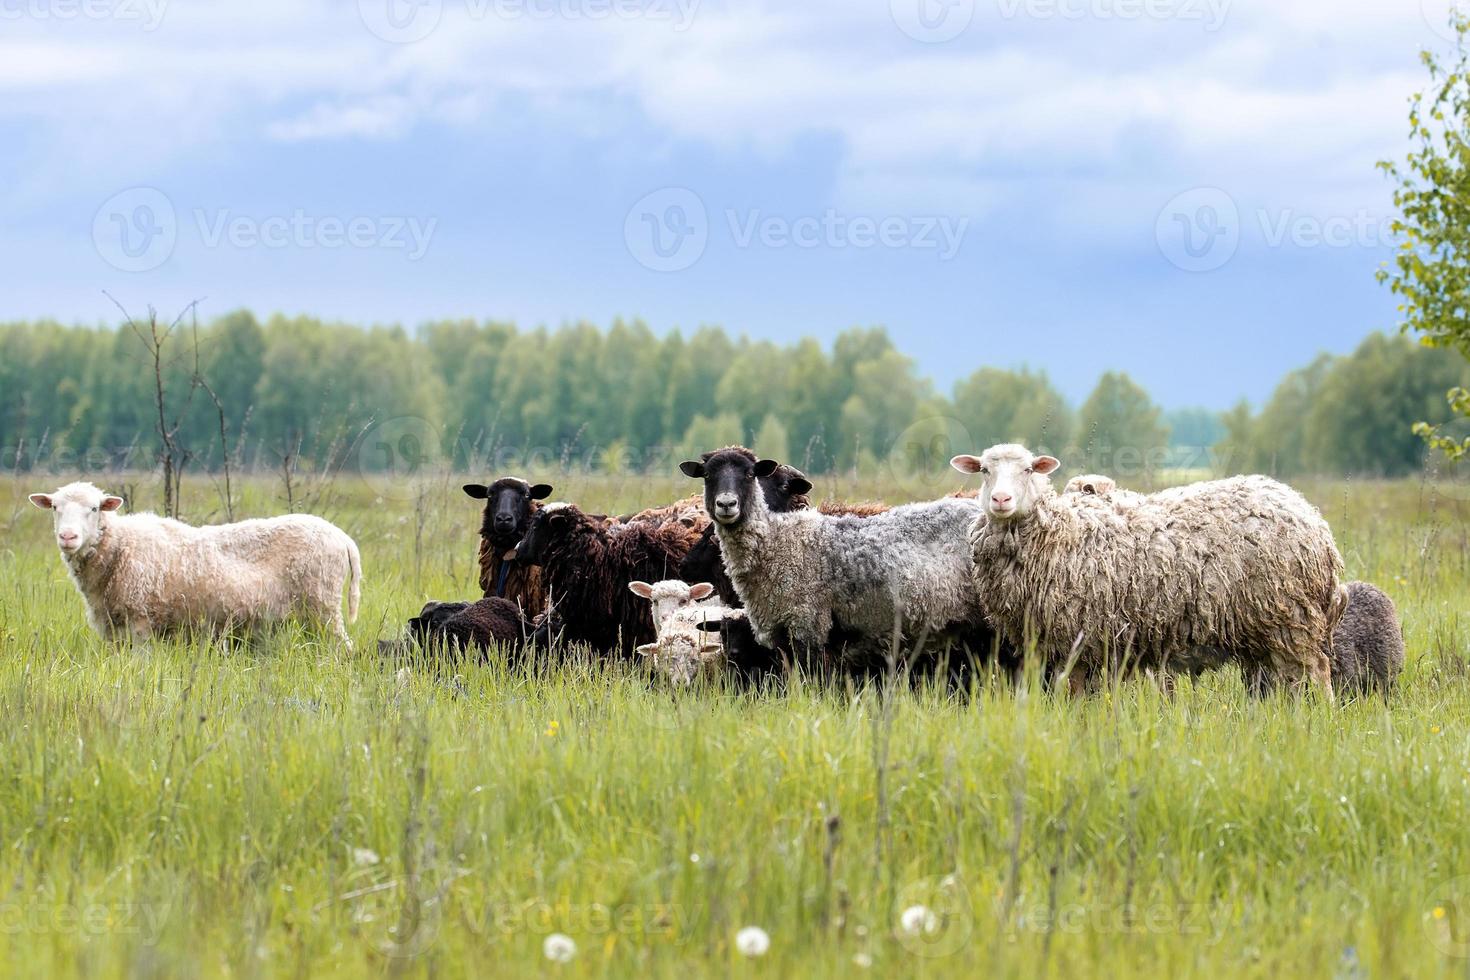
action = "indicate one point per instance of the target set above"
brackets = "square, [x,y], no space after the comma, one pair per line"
[1012,479]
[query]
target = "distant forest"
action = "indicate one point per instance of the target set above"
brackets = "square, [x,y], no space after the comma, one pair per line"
[489,396]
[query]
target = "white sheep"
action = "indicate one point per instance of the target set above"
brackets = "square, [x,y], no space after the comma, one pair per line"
[808,578]
[685,650]
[682,650]
[143,575]
[671,595]
[1241,570]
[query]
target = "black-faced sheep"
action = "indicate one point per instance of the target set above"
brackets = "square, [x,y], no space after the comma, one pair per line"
[586,566]
[785,490]
[1241,570]
[899,576]
[510,503]
[143,575]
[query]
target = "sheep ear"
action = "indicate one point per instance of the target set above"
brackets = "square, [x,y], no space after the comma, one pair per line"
[641,588]
[799,484]
[709,625]
[701,591]
[966,463]
[647,649]
[541,491]
[687,521]
[477,490]
[1045,464]
[111,503]
[692,469]
[41,500]
[766,467]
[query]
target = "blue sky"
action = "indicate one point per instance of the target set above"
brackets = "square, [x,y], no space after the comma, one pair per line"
[1182,189]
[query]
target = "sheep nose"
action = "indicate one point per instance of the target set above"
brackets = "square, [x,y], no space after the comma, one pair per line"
[68,536]
[1001,499]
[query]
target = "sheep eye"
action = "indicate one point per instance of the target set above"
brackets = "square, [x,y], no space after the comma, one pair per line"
[1028,471]
[94,510]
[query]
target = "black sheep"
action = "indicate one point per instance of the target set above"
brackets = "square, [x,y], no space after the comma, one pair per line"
[510,503]
[586,565]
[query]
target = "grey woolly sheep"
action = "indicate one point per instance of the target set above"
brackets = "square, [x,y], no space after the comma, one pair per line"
[1241,570]
[899,575]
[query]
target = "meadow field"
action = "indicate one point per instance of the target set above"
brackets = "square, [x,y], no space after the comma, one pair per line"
[187,808]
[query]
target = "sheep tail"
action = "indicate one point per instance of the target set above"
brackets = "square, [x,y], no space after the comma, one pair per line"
[354,570]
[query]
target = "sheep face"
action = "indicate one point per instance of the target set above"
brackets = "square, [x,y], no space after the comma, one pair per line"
[784,490]
[731,482]
[670,595]
[507,508]
[548,525]
[1012,479]
[1092,484]
[76,513]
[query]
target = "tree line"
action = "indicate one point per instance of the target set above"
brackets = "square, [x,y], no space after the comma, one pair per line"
[299,391]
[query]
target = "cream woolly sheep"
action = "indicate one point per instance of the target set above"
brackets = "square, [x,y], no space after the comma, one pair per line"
[1097,485]
[685,650]
[669,596]
[903,574]
[143,574]
[1241,570]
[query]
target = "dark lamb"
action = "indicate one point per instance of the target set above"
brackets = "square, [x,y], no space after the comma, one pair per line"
[586,566]
[1368,643]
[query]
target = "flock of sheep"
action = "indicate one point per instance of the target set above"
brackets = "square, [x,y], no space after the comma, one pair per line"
[749,579]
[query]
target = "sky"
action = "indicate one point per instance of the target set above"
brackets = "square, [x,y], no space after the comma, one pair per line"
[1181,189]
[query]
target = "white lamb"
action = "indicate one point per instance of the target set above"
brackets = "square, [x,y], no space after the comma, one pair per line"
[144,575]
[671,595]
[683,650]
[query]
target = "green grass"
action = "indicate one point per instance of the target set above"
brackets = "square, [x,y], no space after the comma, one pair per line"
[183,809]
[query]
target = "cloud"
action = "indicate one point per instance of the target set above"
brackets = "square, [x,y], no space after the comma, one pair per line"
[1293,100]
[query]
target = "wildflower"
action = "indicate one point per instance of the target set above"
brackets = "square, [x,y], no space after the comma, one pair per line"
[364,857]
[559,948]
[694,858]
[1434,729]
[862,960]
[918,919]
[552,728]
[752,941]
[1439,912]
